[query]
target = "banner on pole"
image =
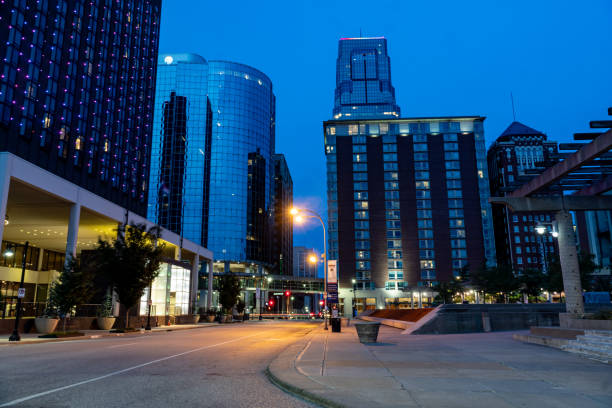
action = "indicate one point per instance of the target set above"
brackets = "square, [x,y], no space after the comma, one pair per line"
[332,271]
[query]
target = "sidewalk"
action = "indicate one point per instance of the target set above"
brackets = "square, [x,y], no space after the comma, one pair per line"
[32,338]
[461,370]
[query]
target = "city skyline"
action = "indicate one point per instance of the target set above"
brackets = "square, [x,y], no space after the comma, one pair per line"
[476,55]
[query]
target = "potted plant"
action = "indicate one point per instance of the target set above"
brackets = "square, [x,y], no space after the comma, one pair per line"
[210,315]
[47,323]
[73,287]
[240,309]
[195,316]
[105,318]
[229,291]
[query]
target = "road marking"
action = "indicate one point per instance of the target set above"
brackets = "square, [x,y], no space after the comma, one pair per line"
[121,345]
[125,370]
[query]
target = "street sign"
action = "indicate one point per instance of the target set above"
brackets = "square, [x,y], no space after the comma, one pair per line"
[21,293]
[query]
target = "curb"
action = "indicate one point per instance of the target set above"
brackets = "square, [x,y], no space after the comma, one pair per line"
[287,359]
[300,393]
[101,335]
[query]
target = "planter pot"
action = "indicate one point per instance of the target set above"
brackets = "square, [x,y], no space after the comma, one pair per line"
[106,323]
[196,318]
[210,318]
[367,332]
[227,318]
[45,325]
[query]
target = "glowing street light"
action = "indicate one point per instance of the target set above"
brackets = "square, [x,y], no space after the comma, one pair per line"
[299,214]
[312,259]
[540,229]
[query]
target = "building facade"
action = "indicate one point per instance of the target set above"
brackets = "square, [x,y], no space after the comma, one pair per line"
[242,168]
[212,176]
[407,205]
[363,80]
[516,151]
[180,148]
[76,91]
[282,231]
[301,266]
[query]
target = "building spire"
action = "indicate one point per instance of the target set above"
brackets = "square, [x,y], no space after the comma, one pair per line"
[513,112]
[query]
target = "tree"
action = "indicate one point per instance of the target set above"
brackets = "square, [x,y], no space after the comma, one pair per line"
[495,280]
[532,281]
[446,290]
[73,287]
[601,284]
[229,291]
[131,262]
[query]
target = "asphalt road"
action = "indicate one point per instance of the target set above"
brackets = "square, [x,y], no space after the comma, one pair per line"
[205,367]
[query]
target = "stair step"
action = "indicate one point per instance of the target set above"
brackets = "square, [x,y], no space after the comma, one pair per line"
[604,341]
[603,333]
[585,349]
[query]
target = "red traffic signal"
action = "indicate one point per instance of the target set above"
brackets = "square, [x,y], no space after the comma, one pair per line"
[321,303]
[271,302]
[287,293]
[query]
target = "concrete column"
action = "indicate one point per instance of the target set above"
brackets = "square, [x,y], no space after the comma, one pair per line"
[5,181]
[195,266]
[73,231]
[420,299]
[569,263]
[41,253]
[209,296]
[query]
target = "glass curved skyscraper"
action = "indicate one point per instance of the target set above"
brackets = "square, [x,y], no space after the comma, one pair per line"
[212,166]
[243,115]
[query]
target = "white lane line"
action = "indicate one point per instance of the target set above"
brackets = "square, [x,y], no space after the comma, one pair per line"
[121,345]
[40,394]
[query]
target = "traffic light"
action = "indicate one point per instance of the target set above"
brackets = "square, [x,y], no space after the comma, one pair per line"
[287,293]
[321,303]
[271,302]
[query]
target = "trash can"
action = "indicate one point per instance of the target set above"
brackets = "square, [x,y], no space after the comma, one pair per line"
[336,323]
[367,331]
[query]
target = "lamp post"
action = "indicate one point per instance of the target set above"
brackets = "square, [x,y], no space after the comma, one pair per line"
[15,335]
[296,212]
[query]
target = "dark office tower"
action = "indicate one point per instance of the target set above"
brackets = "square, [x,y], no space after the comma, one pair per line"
[363,80]
[77,80]
[174,125]
[180,148]
[282,234]
[258,219]
[518,150]
[408,206]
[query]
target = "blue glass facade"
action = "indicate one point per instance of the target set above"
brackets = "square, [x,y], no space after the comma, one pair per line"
[180,153]
[243,120]
[213,170]
[363,80]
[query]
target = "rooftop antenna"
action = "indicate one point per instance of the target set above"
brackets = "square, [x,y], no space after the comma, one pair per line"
[513,112]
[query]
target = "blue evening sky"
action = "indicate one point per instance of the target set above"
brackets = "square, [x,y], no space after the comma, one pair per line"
[447,58]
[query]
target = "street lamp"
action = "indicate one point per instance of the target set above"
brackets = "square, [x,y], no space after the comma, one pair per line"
[21,293]
[297,213]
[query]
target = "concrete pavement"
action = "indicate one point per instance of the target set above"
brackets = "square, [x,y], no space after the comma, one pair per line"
[221,366]
[460,370]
